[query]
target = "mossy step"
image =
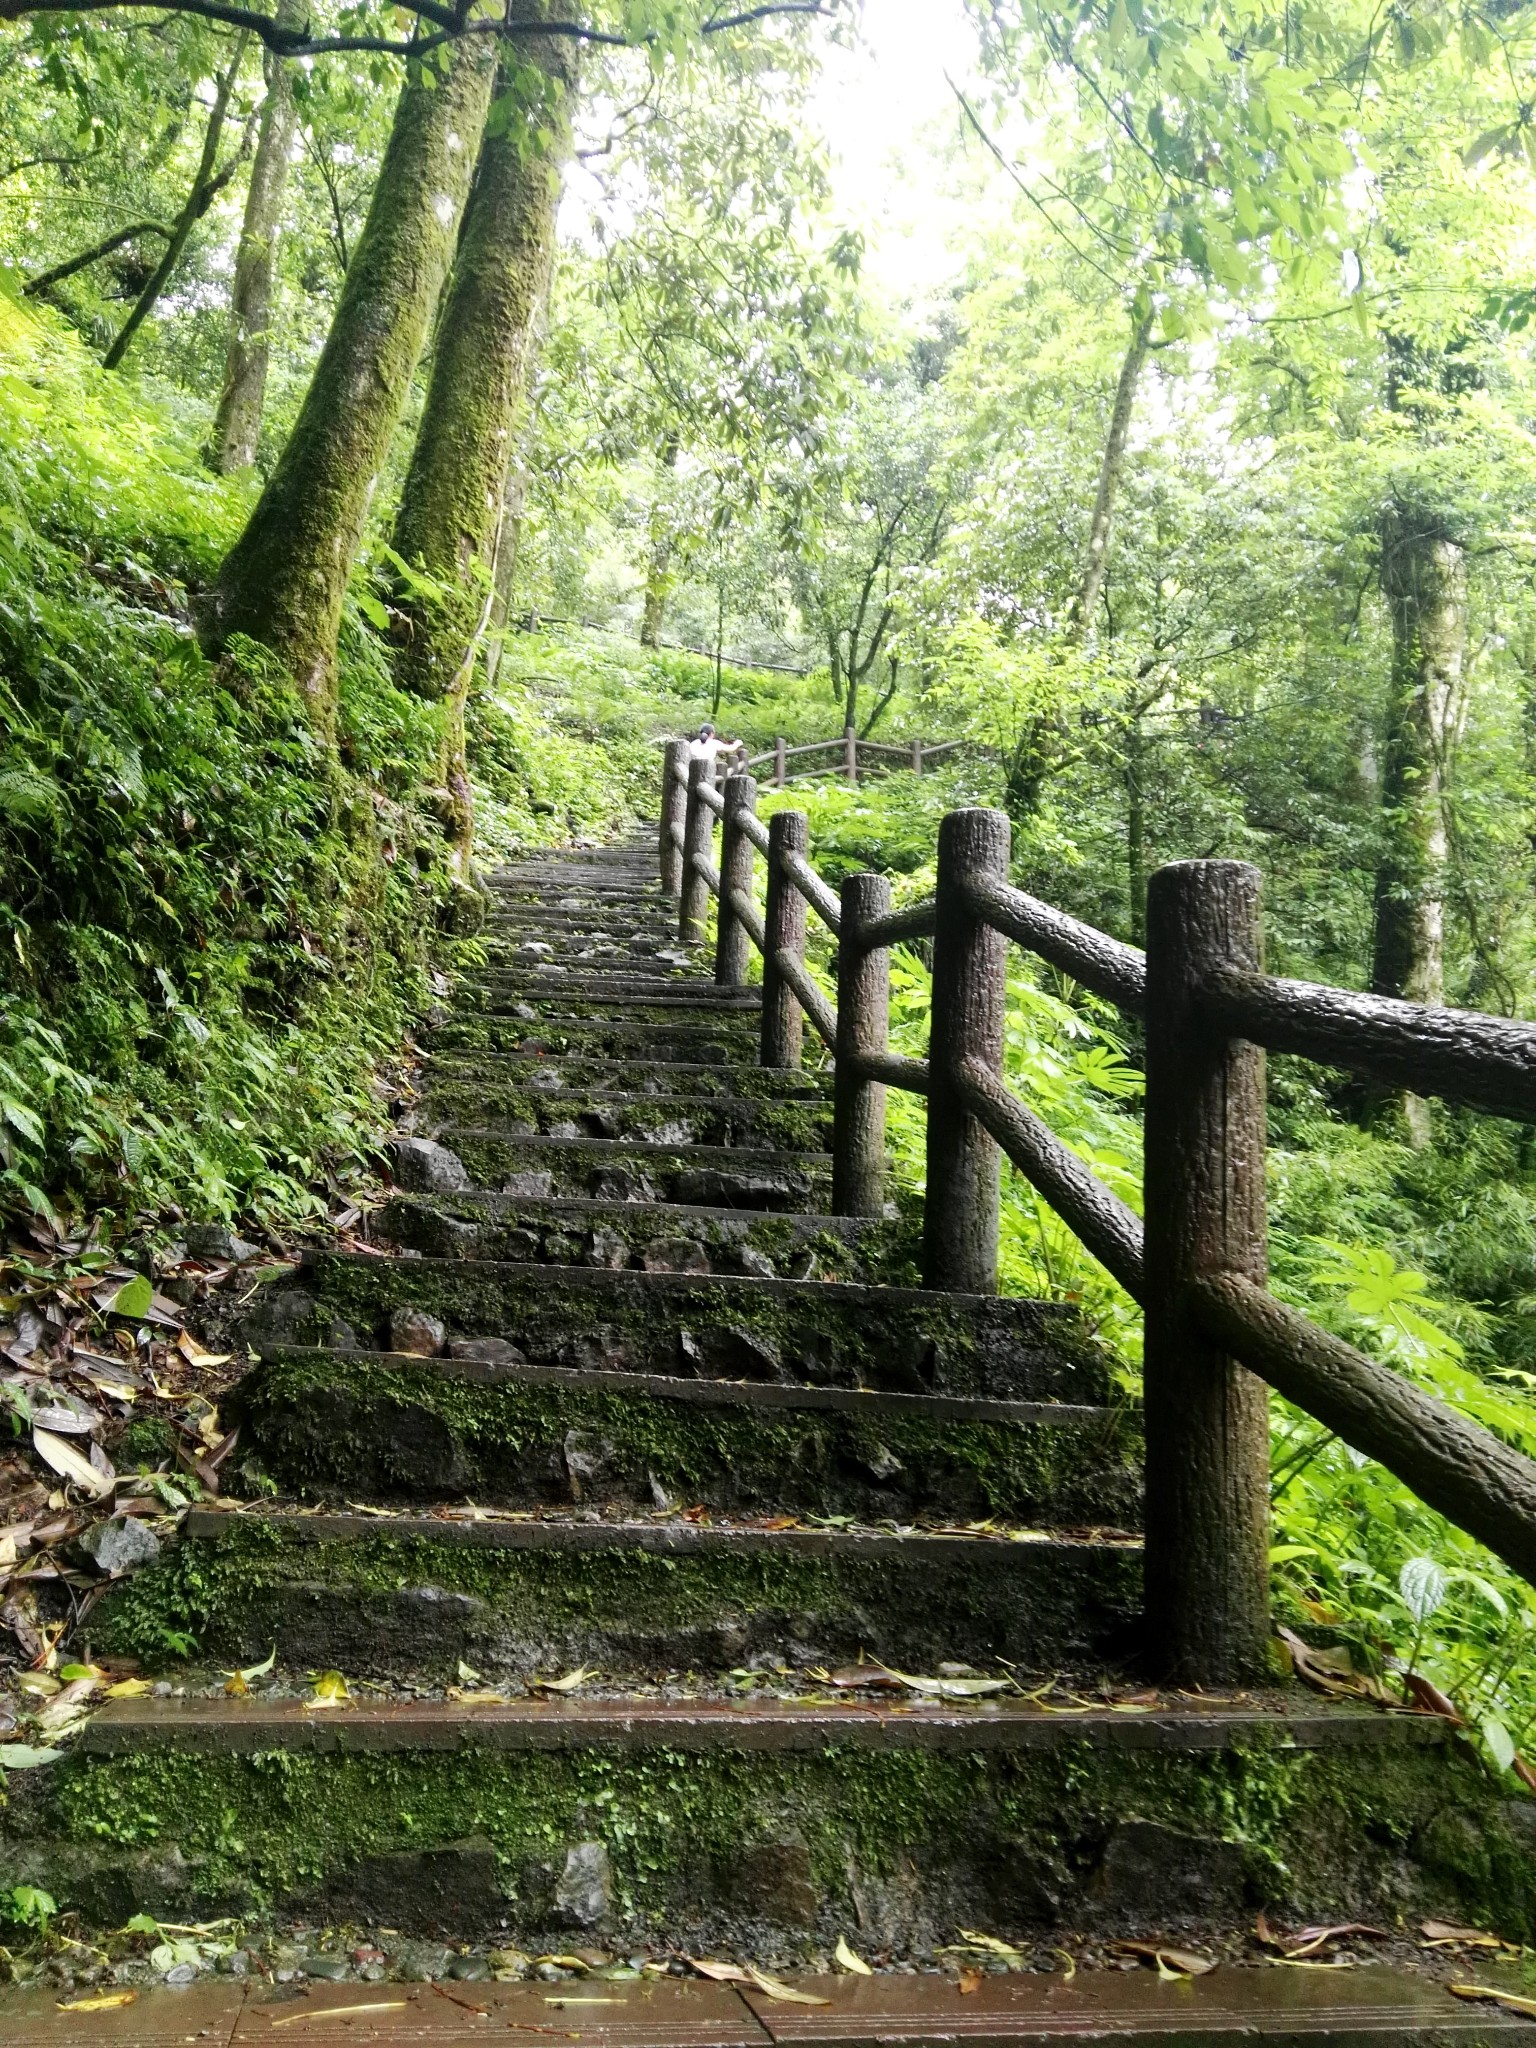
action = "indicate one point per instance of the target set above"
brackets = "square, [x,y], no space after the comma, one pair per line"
[545,1074]
[541,959]
[346,1426]
[895,1339]
[673,1237]
[414,1596]
[512,919]
[593,997]
[702,1119]
[706,1040]
[617,1169]
[702,1824]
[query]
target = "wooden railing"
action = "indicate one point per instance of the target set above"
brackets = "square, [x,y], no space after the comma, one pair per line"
[1197,1265]
[851,757]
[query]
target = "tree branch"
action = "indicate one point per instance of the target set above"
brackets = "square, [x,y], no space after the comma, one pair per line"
[35,287]
[447,21]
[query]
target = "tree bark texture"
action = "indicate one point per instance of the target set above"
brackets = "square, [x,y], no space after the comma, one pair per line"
[1207,1422]
[1424,581]
[733,942]
[284,580]
[783,1028]
[970,995]
[204,186]
[658,567]
[237,422]
[863,1026]
[1096,556]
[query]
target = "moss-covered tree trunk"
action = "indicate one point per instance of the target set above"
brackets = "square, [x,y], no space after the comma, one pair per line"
[658,567]
[237,422]
[455,496]
[1090,587]
[283,581]
[1424,581]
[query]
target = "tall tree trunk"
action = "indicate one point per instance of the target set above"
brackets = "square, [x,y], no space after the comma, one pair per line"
[237,422]
[283,581]
[1136,830]
[1096,556]
[1424,582]
[199,199]
[658,568]
[455,499]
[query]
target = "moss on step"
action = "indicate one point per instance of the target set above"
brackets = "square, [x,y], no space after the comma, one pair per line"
[332,1426]
[905,1843]
[391,1604]
[632,1077]
[518,1229]
[692,1120]
[899,1340]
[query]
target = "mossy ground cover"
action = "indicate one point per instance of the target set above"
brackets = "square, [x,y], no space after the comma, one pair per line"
[332,1425]
[1337,1832]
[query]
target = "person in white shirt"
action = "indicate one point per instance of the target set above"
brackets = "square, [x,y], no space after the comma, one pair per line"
[706,745]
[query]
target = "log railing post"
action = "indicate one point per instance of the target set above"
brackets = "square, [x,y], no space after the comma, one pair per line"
[970,976]
[851,755]
[733,942]
[699,838]
[863,1018]
[780,764]
[917,757]
[783,1023]
[1207,1426]
[674,812]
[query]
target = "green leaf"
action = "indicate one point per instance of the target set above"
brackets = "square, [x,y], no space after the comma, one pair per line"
[21,1756]
[133,1298]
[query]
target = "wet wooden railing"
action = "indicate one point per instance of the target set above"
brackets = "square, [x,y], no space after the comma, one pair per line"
[1215,1336]
[852,758]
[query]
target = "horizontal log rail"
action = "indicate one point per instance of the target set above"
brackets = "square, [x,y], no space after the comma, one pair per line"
[1215,1336]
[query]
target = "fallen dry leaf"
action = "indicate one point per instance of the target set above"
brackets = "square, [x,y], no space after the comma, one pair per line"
[1307,1941]
[336,2012]
[128,1689]
[1169,1962]
[847,1959]
[785,1994]
[719,1973]
[330,1691]
[970,1980]
[108,2001]
[69,1464]
[1436,1932]
[1431,1699]
[1508,1999]
[569,1682]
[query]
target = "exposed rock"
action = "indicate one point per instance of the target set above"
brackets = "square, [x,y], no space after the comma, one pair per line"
[534,1186]
[1156,1872]
[587,1457]
[584,1893]
[519,1247]
[486,1351]
[675,1255]
[119,1545]
[416,1333]
[599,1350]
[608,1250]
[757,1265]
[773,1881]
[423,1167]
[709,1187]
[881,1463]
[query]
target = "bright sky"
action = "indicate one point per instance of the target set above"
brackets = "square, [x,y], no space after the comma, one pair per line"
[889,115]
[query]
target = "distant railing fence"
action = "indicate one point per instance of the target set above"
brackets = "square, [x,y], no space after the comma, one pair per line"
[853,758]
[1198,1263]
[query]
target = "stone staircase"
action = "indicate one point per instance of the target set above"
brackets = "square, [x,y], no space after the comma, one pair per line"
[696,1578]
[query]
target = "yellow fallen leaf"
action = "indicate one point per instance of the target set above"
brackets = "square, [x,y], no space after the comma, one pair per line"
[330,1691]
[1508,1999]
[586,2001]
[569,1683]
[846,1959]
[565,1962]
[993,1946]
[108,2001]
[334,2012]
[128,1689]
[1437,1931]
[719,1973]
[1170,1962]
[476,1699]
[786,1994]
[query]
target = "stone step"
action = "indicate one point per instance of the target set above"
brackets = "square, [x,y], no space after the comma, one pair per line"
[546,1074]
[709,1039]
[673,1120]
[701,1822]
[532,996]
[615,1169]
[414,1596]
[891,1339]
[659,921]
[1360,2008]
[668,1238]
[526,958]
[351,1426]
